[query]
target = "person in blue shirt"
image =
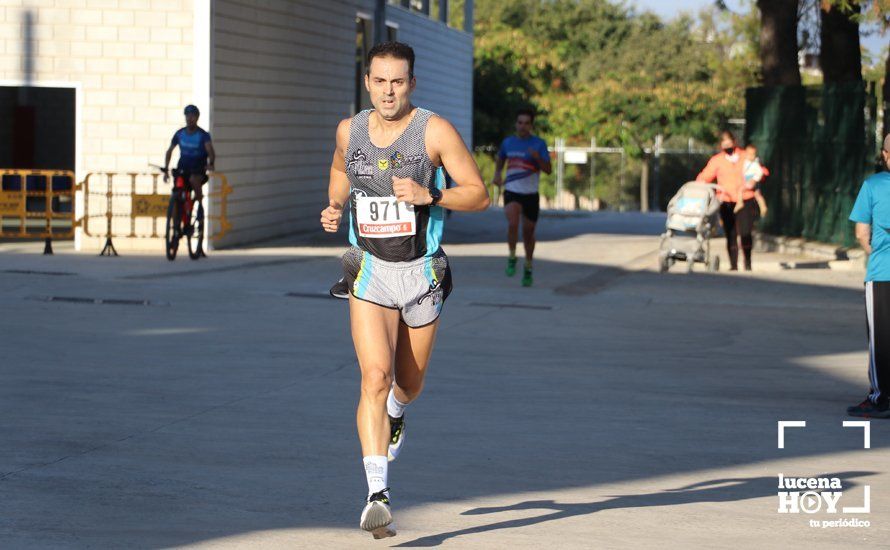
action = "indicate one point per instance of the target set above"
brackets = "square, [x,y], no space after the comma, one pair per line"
[871,212]
[196,154]
[525,156]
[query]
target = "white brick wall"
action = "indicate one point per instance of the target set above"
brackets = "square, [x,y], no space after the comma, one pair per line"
[119,52]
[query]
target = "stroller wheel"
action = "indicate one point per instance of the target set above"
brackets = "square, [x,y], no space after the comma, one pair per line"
[714,264]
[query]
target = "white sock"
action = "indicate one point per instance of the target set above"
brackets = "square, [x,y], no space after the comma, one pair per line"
[376,473]
[394,407]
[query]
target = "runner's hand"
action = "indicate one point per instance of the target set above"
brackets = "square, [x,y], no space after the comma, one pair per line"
[408,190]
[330,217]
[498,180]
[166,175]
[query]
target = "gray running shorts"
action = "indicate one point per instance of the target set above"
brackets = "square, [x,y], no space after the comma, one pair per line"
[417,288]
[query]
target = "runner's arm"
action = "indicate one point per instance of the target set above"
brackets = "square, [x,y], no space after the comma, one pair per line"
[709,174]
[338,183]
[498,171]
[546,165]
[211,155]
[338,186]
[544,160]
[863,235]
[446,146]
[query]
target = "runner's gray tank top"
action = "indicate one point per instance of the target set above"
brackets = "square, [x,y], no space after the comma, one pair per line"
[370,170]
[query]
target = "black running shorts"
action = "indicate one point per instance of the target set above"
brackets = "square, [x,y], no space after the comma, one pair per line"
[531,203]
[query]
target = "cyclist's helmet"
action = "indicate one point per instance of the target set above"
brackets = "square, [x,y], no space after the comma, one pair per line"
[191,110]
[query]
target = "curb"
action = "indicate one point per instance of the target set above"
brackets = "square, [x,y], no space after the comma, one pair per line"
[832,256]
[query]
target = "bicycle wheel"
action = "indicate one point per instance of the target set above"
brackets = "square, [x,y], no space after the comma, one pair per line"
[171,236]
[195,234]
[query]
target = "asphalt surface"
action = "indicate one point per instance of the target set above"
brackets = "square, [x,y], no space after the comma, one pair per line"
[150,404]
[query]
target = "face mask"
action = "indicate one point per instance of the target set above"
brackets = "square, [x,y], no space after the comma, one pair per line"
[729,150]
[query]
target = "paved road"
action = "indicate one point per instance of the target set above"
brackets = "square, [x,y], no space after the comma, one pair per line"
[148,404]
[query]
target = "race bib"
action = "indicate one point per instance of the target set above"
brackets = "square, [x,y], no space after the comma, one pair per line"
[382,217]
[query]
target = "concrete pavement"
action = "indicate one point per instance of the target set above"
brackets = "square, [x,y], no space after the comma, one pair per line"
[150,404]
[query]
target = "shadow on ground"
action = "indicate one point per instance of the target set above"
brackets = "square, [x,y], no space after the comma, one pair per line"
[716,490]
[227,407]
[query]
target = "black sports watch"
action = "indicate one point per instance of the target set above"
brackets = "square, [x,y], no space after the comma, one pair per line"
[436,195]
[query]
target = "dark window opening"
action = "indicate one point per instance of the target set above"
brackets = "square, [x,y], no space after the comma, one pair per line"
[37,131]
[364,39]
[37,128]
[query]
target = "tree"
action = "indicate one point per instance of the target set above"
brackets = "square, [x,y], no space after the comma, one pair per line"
[840,56]
[778,42]
[874,13]
[601,69]
[598,68]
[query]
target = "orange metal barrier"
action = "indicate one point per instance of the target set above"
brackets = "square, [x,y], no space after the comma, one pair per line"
[34,212]
[133,202]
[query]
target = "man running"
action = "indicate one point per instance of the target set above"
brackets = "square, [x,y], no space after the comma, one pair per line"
[526,156]
[196,154]
[871,213]
[398,277]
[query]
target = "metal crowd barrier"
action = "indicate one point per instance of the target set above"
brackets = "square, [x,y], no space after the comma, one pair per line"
[37,204]
[132,204]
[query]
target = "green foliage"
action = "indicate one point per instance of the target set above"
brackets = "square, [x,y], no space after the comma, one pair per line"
[597,68]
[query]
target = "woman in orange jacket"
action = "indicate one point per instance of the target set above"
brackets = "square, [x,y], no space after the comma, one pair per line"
[727,169]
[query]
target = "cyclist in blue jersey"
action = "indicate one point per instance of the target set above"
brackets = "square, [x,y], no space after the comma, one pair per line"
[526,156]
[196,154]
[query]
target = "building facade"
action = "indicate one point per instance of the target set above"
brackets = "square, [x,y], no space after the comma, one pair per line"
[272,79]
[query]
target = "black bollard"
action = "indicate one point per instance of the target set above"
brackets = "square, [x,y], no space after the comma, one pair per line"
[109,248]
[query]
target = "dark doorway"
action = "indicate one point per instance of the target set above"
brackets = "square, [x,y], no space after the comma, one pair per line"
[37,127]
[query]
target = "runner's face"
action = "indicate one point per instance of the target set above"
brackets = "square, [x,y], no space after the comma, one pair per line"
[727,143]
[390,86]
[523,125]
[886,158]
[191,120]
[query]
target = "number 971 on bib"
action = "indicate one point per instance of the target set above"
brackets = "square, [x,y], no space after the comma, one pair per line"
[382,217]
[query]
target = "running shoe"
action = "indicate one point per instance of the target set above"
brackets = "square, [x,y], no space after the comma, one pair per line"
[511,267]
[340,289]
[396,437]
[526,277]
[867,409]
[376,517]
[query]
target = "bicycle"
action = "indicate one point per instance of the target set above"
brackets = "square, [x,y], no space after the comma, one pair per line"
[183,219]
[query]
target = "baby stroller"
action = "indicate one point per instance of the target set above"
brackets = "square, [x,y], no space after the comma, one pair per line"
[692,219]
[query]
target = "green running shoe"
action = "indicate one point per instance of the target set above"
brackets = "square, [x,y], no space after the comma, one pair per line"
[511,267]
[396,437]
[526,277]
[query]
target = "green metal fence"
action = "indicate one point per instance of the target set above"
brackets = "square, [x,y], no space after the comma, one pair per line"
[819,144]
